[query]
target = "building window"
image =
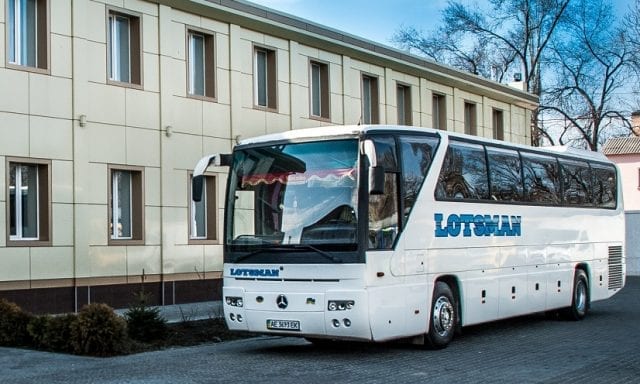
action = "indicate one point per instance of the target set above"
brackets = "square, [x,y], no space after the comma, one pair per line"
[370,113]
[27,32]
[403,93]
[201,64]
[203,214]
[124,54]
[470,120]
[29,205]
[439,112]
[498,124]
[126,205]
[264,77]
[319,74]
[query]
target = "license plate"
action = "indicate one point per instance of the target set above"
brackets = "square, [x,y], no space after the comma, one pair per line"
[283,325]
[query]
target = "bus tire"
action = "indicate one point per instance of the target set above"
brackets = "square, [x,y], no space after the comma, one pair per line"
[443,320]
[579,297]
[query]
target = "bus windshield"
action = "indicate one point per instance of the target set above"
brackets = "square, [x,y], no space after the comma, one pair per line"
[294,195]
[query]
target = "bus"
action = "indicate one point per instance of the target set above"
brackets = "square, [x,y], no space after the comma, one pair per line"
[376,233]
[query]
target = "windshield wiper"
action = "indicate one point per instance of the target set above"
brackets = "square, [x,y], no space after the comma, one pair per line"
[253,253]
[290,248]
[327,255]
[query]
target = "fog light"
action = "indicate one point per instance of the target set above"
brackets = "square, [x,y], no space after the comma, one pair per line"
[346,322]
[240,319]
[340,305]
[232,317]
[233,301]
[336,323]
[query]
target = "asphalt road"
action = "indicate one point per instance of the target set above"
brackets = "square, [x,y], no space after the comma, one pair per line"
[603,348]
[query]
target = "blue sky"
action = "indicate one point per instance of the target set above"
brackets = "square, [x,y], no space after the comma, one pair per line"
[375,20]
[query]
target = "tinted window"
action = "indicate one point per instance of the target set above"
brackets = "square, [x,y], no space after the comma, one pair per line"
[417,153]
[576,183]
[505,174]
[464,173]
[604,186]
[541,182]
[386,153]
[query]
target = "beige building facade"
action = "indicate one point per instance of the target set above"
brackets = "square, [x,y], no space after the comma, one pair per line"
[106,106]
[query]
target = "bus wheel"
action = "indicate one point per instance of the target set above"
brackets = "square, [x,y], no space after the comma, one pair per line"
[443,317]
[580,297]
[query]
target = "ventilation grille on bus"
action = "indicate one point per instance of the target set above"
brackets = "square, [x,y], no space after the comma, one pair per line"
[615,267]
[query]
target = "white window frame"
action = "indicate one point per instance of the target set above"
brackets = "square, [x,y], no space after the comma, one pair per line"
[192,61]
[194,224]
[18,202]
[316,92]
[15,25]
[114,54]
[265,74]
[115,208]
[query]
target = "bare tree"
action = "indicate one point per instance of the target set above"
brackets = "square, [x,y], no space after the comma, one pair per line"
[588,69]
[509,37]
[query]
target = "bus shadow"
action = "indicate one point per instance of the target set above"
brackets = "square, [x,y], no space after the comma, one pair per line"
[520,325]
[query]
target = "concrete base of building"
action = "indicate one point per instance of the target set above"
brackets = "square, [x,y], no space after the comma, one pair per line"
[73,298]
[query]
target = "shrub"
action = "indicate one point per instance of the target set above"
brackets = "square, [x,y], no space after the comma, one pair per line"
[52,333]
[144,322]
[98,331]
[13,325]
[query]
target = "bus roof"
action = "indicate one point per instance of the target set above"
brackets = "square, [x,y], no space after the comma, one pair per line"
[333,131]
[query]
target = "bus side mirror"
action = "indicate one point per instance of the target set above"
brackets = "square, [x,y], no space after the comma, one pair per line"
[376,180]
[196,188]
[217,160]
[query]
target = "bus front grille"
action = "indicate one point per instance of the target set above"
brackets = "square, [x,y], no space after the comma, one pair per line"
[615,267]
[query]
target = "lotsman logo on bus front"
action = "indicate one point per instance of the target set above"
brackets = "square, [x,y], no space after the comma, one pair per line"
[255,272]
[477,225]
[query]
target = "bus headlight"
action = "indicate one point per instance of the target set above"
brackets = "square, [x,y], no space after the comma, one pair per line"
[233,301]
[340,305]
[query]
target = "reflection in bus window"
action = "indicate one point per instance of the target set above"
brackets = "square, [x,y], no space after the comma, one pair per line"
[383,215]
[417,153]
[464,173]
[604,186]
[505,174]
[576,183]
[541,181]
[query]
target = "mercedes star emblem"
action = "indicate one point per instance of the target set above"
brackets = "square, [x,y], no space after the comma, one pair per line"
[282,302]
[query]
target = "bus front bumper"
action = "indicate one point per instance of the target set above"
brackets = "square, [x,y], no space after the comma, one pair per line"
[330,314]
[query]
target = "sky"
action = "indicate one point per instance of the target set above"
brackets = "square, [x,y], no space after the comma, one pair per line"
[375,20]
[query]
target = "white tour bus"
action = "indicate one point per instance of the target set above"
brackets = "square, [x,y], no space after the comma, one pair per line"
[385,232]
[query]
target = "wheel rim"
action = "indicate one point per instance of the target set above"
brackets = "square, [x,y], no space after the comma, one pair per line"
[581,296]
[443,316]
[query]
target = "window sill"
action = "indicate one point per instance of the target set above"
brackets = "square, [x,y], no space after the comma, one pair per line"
[26,68]
[28,243]
[202,98]
[266,109]
[320,118]
[125,242]
[203,242]
[125,84]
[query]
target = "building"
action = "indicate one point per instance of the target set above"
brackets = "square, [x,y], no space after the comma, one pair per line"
[106,105]
[625,152]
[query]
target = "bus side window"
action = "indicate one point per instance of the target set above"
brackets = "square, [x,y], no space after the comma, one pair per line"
[416,155]
[576,183]
[383,209]
[505,174]
[604,186]
[541,179]
[464,173]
